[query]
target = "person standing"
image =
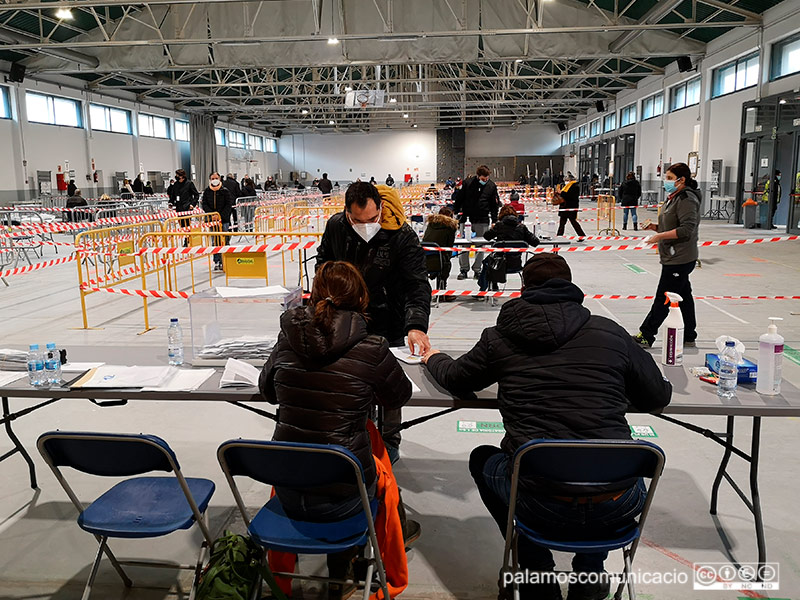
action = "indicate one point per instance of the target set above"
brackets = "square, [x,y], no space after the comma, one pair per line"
[569,196]
[71,187]
[217,199]
[248,189]
[390,180]
[547,180]
[232,185]
[630,191]
[325,186]
[677,235]
[478,202]
[183,195]
[138,185]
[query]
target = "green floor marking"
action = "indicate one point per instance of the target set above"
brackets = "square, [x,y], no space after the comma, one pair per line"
[637,431]
[635,268]
[643,431]
[792,354]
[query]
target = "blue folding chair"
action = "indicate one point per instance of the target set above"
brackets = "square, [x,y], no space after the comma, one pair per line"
[139,507]
[580,463]
[304,467]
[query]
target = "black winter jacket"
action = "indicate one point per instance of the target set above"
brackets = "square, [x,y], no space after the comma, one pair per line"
[562,373]
[325,186]
[183,195]
[393,265]
[509,229]
[630,191]
[326,385]
[232,186]
[219,201]
[477,202]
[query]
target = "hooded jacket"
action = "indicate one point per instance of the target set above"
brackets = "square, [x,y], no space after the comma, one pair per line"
[441,230]
[562,372]
[392,264]
[326,385]
[630,191]
[509,229]
[680,212]
[477,202]
[219,201]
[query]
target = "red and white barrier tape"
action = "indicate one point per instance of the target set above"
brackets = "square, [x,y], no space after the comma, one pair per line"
[140,293]
[37,266]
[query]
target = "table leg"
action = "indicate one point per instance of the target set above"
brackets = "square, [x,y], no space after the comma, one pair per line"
[723,465]
[755,448]
[18,447]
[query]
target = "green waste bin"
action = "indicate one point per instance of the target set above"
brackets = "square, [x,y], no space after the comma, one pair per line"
[763,214]
[750,216]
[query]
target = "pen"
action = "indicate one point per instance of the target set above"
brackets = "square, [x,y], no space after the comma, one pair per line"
[709,380]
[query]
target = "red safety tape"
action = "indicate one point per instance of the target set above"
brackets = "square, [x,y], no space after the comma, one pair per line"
[140,293]
[37,266]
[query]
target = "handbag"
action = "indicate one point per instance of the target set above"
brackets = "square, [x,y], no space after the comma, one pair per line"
[234,569]
[495,266]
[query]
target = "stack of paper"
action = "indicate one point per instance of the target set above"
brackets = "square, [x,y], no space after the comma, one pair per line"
[404,354]
[245,347]
[238,292]
[239,374]
[118,376]
[13,360]
[182,380]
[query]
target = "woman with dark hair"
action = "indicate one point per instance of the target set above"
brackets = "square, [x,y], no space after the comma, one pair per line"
[326,373]
[509,229]
[677,234]
[248,189]
[630,191]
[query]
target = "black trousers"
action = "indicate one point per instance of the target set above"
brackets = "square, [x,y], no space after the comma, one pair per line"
[674,278]
[572,217]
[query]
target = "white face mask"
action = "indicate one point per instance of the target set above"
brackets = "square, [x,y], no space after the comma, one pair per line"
[215,182]
[367,231]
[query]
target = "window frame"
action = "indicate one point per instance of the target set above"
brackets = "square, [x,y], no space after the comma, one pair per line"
[735,65]
[251,137]
[652,98]
[684,88]
[597,130]
[629,109]
[791,39]
[152,119]
[5,103]
[50,100]
[239,145]
[573,135]
[182,123]
[220,134]
[612,117]
[583,130]
[270,145]
[109,111]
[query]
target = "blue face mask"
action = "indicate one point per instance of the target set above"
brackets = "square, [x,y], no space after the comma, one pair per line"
[778,177]
[482,182]
[669,186]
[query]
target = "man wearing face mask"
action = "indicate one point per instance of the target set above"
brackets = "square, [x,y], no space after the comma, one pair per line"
[372,234]
[217,199]
[477,200]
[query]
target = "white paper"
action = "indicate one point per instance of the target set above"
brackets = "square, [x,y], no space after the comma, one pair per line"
[7,377]
[118,376]
[183,380]
[80,367]
[414,387]
[238,373]
[238,292]
[404,354]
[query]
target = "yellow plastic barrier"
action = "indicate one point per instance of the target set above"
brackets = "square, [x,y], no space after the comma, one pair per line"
[606,215]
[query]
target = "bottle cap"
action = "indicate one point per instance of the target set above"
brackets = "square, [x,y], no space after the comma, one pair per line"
[173,320]
[51,345]
[34,346]
[730,344]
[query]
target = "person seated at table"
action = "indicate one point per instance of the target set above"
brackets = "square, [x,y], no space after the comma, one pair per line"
[441,229]
[326,373]
[514,201]
[509,229]
[74,201]
[562,373]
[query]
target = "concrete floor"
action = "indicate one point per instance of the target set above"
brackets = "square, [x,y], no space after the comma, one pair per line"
[43,554]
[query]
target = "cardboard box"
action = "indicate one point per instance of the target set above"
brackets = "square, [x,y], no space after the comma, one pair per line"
[747,369]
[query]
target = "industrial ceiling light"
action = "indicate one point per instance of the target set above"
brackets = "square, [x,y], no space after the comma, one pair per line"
[519,60]
[405,115]
[414,125]
[782,101]
[332,41]
[348,89]
[64,13]
[392,100]
[331,122]
[304,111]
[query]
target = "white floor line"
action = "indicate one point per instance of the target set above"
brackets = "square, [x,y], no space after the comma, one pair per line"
[725,312]
[611,315]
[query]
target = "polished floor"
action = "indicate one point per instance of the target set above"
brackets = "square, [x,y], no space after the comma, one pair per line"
[43,554]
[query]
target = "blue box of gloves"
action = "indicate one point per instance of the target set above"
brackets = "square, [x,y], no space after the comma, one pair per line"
[748,371]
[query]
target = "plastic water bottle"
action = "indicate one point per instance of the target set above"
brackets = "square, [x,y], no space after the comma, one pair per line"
[52,364]
[728,371]
[175,341]
[35,366]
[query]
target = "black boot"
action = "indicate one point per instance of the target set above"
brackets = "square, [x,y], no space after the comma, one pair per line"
[625,226]
[636,227]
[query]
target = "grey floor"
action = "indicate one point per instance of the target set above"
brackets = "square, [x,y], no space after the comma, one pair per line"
[43,554]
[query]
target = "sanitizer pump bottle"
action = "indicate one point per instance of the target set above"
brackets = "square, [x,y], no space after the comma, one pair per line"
[770,359]
[672,332]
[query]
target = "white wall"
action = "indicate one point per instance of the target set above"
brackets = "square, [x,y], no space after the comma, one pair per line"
[29,147]
[527,140]
[347,157]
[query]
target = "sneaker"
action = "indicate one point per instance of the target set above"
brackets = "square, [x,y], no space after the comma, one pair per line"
[411,533]
[641,340]
[589,591]
[462,275]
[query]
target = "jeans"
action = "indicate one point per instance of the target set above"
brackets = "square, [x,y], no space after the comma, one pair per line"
[625,211]
[221,241]
[491,469]
[572,217]
[463,258]
[674,278]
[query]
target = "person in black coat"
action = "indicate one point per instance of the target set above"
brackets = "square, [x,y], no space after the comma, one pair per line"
[570,199]
[630,191]
[71,187]
[326,372]
[232,185]
[509,229]
[183,195]
[325,185]
[217,199]
[138,185]
[477,201]
[562,373]
[441,229]
[248,189]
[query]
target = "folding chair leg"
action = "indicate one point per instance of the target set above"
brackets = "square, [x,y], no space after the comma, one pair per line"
[87,591]
[103,541]
[376,558]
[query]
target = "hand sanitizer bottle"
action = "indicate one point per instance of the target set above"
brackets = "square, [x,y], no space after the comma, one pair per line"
[672,332]
[770,359]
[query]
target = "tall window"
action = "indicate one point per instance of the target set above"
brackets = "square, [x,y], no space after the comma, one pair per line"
[219,135]
[685,94]
[182,131]
[785,57]
[53,110]
[582,132]
[5,104]
[236,139]
[563,139]
[255,142]
[105,118]
[734,76]
[653,106]
[609,122]
[594,128]
[572,136]
[153,126]
[271,145]
[627,115]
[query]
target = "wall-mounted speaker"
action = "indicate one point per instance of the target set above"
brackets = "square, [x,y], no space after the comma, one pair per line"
[562,126]
[684,64]
[16,73]
[600,106]
[278,133]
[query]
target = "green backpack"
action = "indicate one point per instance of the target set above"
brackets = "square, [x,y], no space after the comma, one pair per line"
[234,570]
